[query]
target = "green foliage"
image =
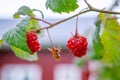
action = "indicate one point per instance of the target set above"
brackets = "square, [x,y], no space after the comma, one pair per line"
[16,38]
[24,10]
[80,62]
[110,72]
[33,24]
[42,15]
[1,42]
[24,55]
[60,6]
[97,45]
[110,39]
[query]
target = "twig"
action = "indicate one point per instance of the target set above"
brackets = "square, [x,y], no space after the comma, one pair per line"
[105,11]
[89,9]
[50,38]
[100,10]
[42,20]
[114,5]
[61,21]
[76,32]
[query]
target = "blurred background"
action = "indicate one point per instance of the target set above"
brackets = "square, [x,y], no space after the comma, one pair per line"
[13,68]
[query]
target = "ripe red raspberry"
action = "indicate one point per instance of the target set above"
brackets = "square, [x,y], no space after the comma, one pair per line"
[77,45]
[32,41]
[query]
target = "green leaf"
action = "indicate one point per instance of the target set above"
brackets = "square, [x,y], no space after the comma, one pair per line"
[33,24]
[29,24]
[96,56]
[111,41]
[24,10]
[110,72]
[60,6]
[80,62]
[97,45]
[24,55]
[1,42]
[16,38]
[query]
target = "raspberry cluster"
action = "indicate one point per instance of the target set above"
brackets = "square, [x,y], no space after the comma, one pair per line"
[77,45]
[32,41]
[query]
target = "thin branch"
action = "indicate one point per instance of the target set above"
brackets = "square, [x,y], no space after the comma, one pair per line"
[61,21]
[114,5]
[42,20]
[88,4]
[50,38]
[105,11]
[76,33]
[89,9]
[100,10]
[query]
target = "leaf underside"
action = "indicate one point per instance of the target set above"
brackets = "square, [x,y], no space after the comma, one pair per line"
[24,10]
[110,39]
[60,6]
[97,45]
[24,55]
[17,36]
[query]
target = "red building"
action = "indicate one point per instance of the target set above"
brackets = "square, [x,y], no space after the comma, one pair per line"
[46,68]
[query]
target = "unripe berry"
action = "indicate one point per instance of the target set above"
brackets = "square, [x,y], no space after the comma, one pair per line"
[32,41]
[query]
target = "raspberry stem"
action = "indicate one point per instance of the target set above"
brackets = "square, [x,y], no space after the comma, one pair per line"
[50,38]
[76,32]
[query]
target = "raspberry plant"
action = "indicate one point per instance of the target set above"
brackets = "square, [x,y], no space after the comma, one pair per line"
[24,48]
[102,43]
[106,36]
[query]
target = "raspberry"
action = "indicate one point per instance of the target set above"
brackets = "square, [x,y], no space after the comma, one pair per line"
[32,41]
[77,45]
